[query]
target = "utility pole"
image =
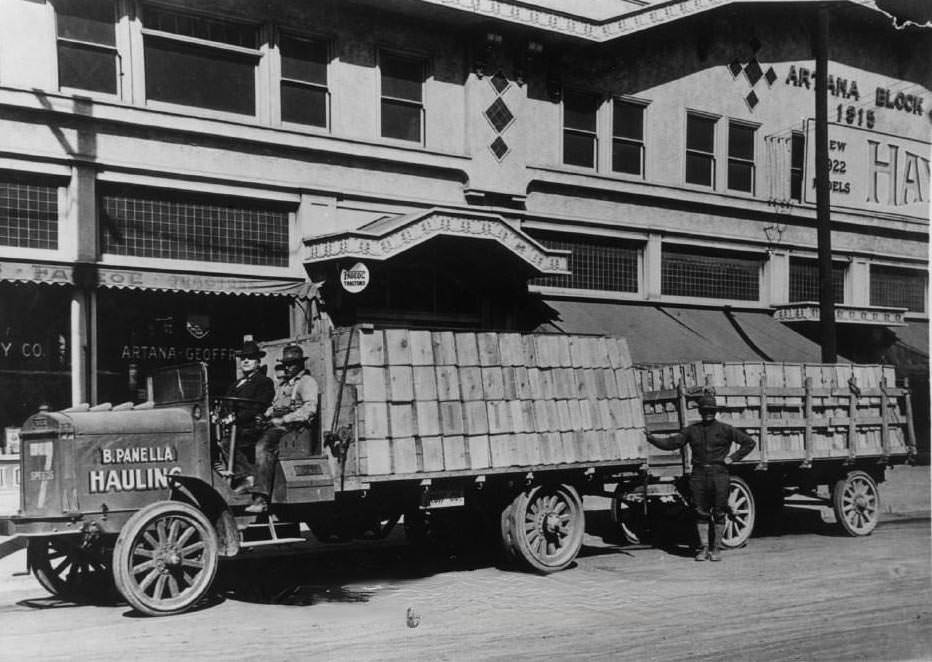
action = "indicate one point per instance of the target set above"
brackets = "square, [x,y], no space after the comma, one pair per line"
[823,191]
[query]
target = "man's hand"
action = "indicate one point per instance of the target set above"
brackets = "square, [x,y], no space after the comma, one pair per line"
[277,421]
[728,460]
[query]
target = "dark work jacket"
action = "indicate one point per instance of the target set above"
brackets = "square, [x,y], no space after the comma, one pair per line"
[709,443]
[255,387]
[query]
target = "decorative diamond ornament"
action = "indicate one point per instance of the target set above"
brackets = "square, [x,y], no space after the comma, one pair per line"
[735,67]
[753,72]
[770,76]
[751,99]
[499,147]
[499,115]
[499,82]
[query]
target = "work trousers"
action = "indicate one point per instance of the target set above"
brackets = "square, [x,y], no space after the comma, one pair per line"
[709,487]
[266,456]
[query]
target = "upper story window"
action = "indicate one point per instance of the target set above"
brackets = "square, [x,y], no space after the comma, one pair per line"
[596,263]
[198,61]
[804,280]
[740,157]
[402,98]
[87,53]
[304,93]
[580,142]
[688,273]
[797,158]
[628,137]
[700,150]
[899,288]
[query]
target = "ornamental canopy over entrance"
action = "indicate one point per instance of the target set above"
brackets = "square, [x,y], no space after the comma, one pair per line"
[390,236]
[436,268]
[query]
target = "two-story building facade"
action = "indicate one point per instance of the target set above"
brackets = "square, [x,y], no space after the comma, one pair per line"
[176,174]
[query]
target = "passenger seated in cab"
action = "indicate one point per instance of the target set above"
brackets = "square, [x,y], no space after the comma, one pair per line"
[294,407]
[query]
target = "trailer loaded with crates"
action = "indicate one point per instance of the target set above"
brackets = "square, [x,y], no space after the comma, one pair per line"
[509,430]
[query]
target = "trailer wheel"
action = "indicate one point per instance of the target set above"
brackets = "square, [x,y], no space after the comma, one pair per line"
[857,503]
[742,513]
[543,527]
[165,558]
[67,570]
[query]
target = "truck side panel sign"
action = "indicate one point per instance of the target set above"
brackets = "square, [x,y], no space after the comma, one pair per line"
[133,478]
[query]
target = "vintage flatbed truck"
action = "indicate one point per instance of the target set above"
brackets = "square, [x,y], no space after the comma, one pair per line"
[510,428]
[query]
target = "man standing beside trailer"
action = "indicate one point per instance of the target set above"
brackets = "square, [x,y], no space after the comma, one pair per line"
[709,440]
[294,406]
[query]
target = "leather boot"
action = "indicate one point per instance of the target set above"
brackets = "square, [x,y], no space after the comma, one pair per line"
[716,553]
[702,528]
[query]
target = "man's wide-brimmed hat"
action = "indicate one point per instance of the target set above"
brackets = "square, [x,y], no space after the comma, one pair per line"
[707,402]
[292,354]
[250,350]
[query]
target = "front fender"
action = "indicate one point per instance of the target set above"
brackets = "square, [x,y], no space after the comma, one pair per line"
[205,498]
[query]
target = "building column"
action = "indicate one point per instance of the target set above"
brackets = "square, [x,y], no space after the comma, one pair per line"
[776,278]
[858,283]
[653,255]
[79,239]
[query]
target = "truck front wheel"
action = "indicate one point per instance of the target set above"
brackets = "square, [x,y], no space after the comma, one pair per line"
[543,527]
[70,570]
[165,558]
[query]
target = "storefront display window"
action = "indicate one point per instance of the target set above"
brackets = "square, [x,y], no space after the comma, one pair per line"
[35,357]
[142,331]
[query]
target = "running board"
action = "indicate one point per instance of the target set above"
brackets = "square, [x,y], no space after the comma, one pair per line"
[270,542]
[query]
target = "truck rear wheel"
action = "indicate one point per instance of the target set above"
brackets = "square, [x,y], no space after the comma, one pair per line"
[67,570]
[857,503]
[543,527]
[742,513]
[165,558]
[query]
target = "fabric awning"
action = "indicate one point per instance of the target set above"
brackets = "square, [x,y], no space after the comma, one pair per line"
[139,279]
[36,272]
[910,349]
[666,334]
[389,236]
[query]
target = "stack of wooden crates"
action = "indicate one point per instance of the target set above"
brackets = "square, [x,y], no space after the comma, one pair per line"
[464,401]
[843,399]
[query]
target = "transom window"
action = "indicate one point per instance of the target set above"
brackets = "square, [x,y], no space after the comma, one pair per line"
[628,137]
[167,224]
[87,54]
[804,280]
[402,103]
[579,128]
[700,150]
[202,62]
[899,288]
[687,273]
[740,157]
[595,263]
[304,93]
[28,212]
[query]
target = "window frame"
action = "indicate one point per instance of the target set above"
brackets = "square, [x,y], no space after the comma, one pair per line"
[918,272]
[327,42]
[703,251]
[90,45]
[641,143]
[799,171]
[424,63]
[594,133]
[198,43]
[711,155]
[741,160]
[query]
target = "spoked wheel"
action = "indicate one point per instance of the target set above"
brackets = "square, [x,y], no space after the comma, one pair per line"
[742,514]
[68,570]
[165,558]
[857,503]
[543,527]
